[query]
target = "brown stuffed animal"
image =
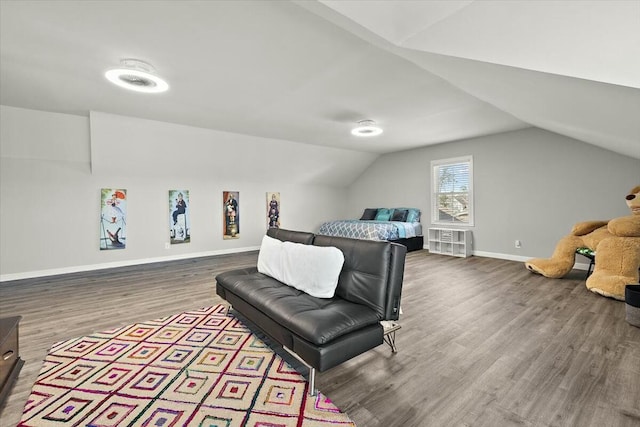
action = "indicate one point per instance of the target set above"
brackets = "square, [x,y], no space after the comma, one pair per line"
[617,246]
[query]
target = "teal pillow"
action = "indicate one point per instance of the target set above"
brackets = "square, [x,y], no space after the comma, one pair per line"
[413,215]
[383,214]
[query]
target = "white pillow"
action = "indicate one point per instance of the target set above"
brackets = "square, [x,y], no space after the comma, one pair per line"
[312,269]
[270,257]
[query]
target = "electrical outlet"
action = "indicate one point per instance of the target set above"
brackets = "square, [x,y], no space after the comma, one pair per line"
[167,245]
[518,244]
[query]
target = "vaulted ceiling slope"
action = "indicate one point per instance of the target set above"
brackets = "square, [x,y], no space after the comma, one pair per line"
[571,67]
[305,71]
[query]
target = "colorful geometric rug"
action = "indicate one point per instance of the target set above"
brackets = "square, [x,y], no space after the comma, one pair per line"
[198,368]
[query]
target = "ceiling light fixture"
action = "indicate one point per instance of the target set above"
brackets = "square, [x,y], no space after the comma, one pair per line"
[136,75]
[366,128]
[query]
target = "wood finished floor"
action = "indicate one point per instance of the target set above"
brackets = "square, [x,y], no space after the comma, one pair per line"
[483,341]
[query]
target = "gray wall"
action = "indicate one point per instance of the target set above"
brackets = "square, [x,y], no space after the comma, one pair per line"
[50,188]
[530,185]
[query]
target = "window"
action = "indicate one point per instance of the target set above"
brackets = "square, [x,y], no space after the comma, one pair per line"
[452,191]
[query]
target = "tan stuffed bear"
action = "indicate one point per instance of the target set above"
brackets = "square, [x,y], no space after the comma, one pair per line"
[617,246]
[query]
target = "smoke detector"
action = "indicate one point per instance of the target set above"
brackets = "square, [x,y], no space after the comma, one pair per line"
[366,128]
[136,75]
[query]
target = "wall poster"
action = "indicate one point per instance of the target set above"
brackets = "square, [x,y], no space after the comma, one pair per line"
[231,213]
[179,223]
[113,219]
[273,210]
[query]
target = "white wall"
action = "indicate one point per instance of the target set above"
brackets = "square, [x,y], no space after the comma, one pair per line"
[50,189]
[530,185]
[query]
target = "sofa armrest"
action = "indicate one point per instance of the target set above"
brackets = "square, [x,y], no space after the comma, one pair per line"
[396,278]
[372,273]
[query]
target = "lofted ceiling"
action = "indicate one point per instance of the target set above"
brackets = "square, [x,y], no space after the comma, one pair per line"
[305,71]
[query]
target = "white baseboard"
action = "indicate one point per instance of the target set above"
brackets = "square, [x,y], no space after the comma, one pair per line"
[510,257]
[577,266]
[91,267]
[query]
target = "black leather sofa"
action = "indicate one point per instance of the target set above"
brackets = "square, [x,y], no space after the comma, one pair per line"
[323,332]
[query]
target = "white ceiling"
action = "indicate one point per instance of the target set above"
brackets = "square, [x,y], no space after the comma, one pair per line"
[306,71]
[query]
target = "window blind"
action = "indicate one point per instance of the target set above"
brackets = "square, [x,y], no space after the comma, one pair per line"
[452,187]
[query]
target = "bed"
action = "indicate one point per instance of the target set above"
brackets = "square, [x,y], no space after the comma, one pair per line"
[399,225]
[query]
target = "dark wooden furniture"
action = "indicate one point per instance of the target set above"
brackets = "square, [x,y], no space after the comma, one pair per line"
[10,362]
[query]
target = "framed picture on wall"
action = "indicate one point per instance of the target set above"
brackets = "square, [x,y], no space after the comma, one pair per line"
[273,209]
[179,222]
[113,218]
[231,215]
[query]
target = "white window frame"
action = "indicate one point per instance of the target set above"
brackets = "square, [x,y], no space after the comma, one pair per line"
[435,172]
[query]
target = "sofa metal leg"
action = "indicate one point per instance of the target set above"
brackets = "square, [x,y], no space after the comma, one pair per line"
[228,308]
[312,382]
[389,328]
[390,339]
[312,371]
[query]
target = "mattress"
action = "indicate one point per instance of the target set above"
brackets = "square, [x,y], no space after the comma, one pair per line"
[371,230]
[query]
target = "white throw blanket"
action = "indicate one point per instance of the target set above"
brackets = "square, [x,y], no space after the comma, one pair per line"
[311,269]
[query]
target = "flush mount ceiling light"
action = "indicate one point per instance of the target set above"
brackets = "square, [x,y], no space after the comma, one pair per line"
[137,75]
[366,128]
